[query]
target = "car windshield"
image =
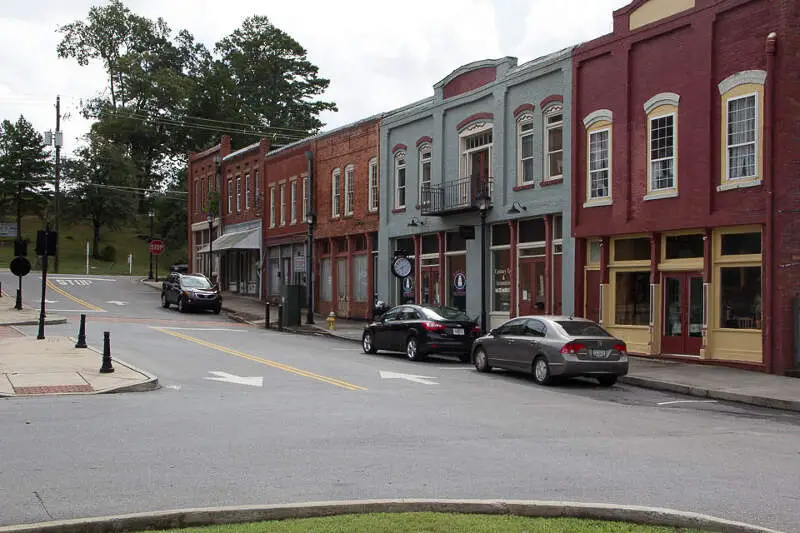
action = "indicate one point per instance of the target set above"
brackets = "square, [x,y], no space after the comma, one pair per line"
[195,282]
[581,328]
[445,313]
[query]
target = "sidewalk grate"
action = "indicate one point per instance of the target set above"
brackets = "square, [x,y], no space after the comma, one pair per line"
[53,389]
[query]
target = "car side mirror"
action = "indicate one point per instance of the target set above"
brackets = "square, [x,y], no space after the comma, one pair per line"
[492,332]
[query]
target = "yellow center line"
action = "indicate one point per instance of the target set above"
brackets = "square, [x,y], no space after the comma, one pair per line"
[274,364]
[74,298]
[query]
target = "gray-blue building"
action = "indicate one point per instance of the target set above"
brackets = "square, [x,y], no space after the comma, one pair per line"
[489,149]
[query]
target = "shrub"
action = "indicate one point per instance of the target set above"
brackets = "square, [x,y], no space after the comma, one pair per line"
[109,253]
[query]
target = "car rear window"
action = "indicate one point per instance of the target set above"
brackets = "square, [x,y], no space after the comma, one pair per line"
[445,313]
[580,328]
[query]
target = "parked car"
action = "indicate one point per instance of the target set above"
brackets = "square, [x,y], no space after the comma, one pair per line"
[550,346]
[190,291]
[421,330]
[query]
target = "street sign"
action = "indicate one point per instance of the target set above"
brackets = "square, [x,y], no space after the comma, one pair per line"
[46,245]
[299,263]
[20,266]
[8,229]
[155,247]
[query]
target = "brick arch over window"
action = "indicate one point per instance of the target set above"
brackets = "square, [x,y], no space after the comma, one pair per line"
[424,140]
[398,147]
[474,118]
[523,108]
[547,100]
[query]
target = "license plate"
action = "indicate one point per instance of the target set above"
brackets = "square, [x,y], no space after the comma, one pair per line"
[458,331]
[600,354]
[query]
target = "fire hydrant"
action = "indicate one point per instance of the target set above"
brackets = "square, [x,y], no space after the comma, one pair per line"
[331,321]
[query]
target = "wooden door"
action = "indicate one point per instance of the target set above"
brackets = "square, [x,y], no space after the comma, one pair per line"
[682,316]
[430,287]
[342,288]
[532,286]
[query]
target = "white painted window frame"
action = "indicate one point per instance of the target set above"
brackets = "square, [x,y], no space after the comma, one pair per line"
[293,205]
[555,109]
[425,158]
[728,146]
[283,203]
[589,170]
[525,119]
[336,192]
[400,156]
[247,191]
[651,160]
[230,195]
[374,185]
[349,189]
[272,207]
[238,194]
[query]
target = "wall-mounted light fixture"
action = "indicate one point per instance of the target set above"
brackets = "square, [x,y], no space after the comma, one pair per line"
[516,208]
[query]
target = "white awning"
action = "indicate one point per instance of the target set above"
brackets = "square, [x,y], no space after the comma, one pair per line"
[240,240]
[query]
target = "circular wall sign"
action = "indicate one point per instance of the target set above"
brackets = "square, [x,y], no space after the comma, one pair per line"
[401,267]
[459,281]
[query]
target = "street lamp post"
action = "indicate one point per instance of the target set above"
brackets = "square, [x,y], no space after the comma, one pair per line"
[211,246]
[483,205]
[152,215]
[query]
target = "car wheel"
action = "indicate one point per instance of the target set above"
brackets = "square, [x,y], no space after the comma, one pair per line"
[482,360]
[412,349]
[164,302]
[541,370]
[217,309]
[181,305]
[607,381]
[368,343]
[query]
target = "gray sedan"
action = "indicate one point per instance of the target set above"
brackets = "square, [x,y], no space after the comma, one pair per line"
[550,346]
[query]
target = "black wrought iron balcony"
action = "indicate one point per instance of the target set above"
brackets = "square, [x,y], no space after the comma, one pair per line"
[455,196]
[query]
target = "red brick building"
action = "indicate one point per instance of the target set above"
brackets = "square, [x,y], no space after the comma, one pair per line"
[685,187]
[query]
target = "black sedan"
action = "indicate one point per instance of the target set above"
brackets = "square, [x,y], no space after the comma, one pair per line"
[420,330]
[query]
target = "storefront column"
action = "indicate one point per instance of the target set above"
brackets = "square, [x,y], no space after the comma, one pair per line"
[349,294]
[417,269]
[442,286]
[512,258]
[334,278]
[370,278]
[655,293]
[708,253]
[604,254]
[655,258]
[708,260]
[579,300]
[548,264]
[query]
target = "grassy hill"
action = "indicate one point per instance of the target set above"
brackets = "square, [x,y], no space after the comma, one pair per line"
[72,242]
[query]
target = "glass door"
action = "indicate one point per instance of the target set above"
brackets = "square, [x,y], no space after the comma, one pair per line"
[531,286]
[430,286]
[683,313]
[342,289]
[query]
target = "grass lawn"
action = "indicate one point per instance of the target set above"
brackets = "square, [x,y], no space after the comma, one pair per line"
[434,523]
[72,242]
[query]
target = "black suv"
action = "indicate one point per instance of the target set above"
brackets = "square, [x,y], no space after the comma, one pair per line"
[190,291]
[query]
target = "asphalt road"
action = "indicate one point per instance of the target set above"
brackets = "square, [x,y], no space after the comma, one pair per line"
[300,418]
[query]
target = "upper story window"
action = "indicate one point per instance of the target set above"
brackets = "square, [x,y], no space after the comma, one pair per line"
[525,148]
[742,129]
[336,192]
[349,189]
[272,207]
[305,199]
[283,204]
[294,202]
[374,187]
[476,150]
[230,196]
[424,173]
[400,180]
[238,194]
[662,145]
[257,187]
[554,142]
[196,196]
[598,171]
[247,191]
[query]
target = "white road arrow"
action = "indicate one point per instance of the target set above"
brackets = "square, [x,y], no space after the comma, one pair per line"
[254,381]
[115,302]
[425,380]
[50,301]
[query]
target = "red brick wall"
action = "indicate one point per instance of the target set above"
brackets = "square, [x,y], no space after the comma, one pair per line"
[469,81]
[282,166]
[238,166]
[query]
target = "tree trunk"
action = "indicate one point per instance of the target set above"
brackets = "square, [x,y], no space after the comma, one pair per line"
[96,239]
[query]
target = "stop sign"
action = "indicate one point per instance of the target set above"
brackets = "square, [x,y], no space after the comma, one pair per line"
[156,246]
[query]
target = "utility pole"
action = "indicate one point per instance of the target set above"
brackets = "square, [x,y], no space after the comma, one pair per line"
[59,141]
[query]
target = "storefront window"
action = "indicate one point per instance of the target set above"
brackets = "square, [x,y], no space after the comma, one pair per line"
[360,278]
[501,281]
[325,281]
[632,249]
[455,242]
[430,244]
[457,280]
[684,246]
[532,230]
[740,297]
[594,252]
[406,245]
[501,234]
[633,298]
[741,244]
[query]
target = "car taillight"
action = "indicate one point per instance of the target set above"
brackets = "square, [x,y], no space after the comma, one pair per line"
[572,348]
[621,348]
[476,329]
[433,326]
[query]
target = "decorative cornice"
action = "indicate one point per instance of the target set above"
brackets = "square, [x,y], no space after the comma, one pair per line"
[523,108]
[553,108]
[547,100]
[473,118]
[524,116]
[398,147]
[661,99]
[741,78]
[597,116]
[475,65]
[424,140]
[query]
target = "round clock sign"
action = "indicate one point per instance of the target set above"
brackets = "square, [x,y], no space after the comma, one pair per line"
[401,267]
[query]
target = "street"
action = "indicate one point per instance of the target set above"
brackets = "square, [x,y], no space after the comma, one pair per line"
[249,416]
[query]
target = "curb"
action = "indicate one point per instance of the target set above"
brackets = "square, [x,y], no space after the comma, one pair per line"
[530,508]
[700,392]
[150,384]
[47,322]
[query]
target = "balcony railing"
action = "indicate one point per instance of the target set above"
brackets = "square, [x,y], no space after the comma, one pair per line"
[455,196]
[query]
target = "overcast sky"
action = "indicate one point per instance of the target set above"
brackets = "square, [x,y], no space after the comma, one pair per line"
[378,55]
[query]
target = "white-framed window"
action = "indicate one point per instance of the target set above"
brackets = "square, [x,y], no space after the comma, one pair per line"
[257,187]
[349,189]
[294,202]
[238,194]
[336,192]
[742,136]
[196,196]
[272,207]
[554,143]
[374,187]
[283,204]
[305,199]
[599,164]
[424,174]
[525,149]
[230,196]
[400,180]
[476,149]
[662,152]
[247,191]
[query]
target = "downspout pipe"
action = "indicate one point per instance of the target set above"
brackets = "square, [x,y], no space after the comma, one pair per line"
[769,283]
[310,219]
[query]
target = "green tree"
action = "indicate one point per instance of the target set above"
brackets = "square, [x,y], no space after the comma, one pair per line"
[101,185]
[24,168]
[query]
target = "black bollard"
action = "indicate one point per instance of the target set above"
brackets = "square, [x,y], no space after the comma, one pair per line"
[280,316]
[18,304]
[266,319]
[106,368]
[82,333]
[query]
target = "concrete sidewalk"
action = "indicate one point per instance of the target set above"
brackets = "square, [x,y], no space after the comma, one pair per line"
[27,316]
